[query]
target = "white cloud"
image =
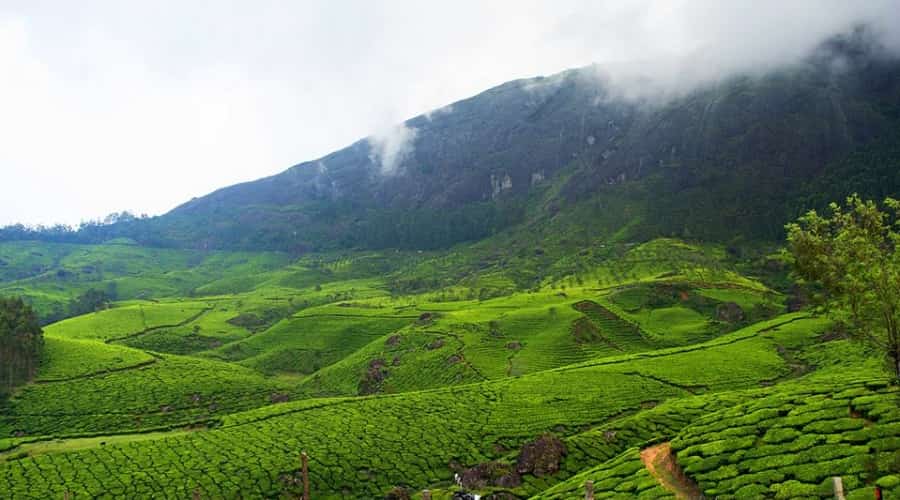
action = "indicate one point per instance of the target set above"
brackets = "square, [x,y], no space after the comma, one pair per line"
[108,105]
[391,146]
[443,110]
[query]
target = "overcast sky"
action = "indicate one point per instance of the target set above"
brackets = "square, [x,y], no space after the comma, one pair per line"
[115,105]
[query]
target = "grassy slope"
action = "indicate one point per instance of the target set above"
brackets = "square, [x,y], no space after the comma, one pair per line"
[51,274]
[171,390]
[364,443]
[584,353]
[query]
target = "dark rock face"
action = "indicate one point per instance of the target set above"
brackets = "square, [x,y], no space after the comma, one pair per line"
[729,312]
[373,378]
[279,397]
[542,456]
[490,474]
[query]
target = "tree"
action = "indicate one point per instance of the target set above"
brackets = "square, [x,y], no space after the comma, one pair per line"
[92,300]
[852,255]
[21,341]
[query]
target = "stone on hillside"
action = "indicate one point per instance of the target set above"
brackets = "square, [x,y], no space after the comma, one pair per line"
[729,312]
[375,374]
[542,456]
[514,346]
[489,474]
[279,397]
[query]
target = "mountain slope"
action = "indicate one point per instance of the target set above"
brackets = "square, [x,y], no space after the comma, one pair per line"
[729,158]
[723,160]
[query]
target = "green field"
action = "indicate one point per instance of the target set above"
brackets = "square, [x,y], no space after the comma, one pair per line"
[399,371]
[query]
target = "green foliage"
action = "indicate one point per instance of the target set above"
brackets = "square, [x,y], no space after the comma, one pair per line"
[396,369]
[621,477]
[50,276]
[814,438]
[852,254]
[91,301]
[127,320]
[429,229]
[461,424]
[143,395]
[21,341]
[69,358]
[458,377]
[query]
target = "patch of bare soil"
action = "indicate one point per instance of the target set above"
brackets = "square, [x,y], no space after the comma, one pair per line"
[660,461]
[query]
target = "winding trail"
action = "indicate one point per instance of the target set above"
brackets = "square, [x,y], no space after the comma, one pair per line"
[668,351]
[692,389]
[152,329]
[661,464]
[137,366]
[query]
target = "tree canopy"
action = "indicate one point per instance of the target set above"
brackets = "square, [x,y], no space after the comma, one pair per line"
[21,340]
[91,300]
[851,253]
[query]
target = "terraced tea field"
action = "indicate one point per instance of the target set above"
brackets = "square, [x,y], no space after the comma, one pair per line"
[216,394]
[465,424]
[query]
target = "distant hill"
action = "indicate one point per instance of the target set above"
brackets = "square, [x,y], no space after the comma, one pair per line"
[734,158]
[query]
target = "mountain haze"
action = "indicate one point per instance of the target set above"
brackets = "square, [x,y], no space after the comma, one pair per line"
[729,158]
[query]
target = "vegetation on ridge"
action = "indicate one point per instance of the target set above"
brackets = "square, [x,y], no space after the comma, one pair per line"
[21,342]
[852,254]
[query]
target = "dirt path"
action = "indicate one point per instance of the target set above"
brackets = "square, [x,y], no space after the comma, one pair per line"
[661,463]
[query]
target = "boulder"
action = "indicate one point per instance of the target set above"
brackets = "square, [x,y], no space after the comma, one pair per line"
[729,312]
[542,456]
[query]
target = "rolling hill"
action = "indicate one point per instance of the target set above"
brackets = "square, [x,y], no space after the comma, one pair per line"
[542,285]
[215,395]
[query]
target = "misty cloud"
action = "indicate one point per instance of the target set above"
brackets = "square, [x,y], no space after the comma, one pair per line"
[710,42]
[391,146]
[443,110]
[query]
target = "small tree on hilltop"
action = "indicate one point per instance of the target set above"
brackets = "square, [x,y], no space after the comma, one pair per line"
[852,254]
[90,301]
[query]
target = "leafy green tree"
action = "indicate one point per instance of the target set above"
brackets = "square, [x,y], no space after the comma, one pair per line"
[21,341]
[851,253]
[92,300]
